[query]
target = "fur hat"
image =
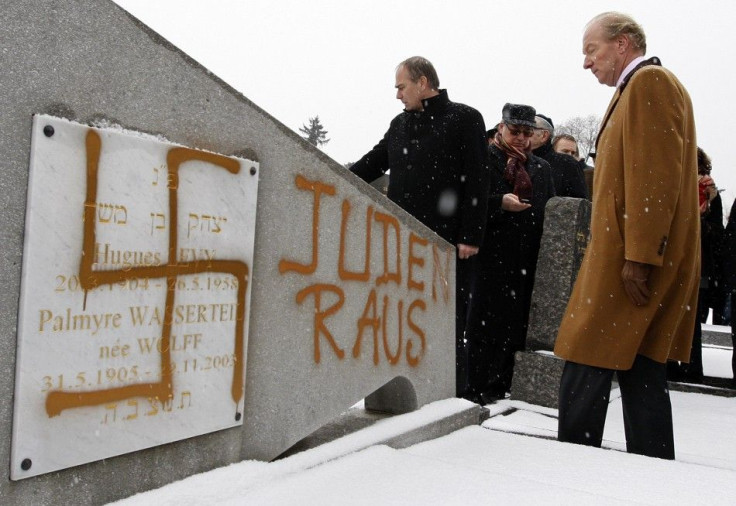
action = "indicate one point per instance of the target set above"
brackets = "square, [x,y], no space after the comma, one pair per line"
[518,114]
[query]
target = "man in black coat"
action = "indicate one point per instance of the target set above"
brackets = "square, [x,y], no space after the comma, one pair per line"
[567,172]
[521,185]
[436,152]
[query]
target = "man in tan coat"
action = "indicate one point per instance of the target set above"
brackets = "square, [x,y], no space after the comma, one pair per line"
[633,304]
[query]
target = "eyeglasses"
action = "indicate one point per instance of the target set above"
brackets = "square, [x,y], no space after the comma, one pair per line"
[526,132]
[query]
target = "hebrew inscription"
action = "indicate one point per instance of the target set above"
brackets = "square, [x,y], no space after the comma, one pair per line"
[135,292]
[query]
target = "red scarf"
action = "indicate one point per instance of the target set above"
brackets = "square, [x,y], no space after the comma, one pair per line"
[515,172]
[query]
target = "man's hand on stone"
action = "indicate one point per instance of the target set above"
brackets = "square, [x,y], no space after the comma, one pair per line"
[635,276]
[464,251]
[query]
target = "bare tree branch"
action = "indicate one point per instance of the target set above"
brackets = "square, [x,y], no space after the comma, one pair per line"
[585,131]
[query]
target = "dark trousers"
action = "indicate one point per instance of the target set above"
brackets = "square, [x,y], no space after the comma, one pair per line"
[733,336]
[464,272]
[584,394]
[693,370]
[491,349]
[497,326]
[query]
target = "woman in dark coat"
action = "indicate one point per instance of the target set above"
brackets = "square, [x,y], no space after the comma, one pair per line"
[521,185]
[710,290]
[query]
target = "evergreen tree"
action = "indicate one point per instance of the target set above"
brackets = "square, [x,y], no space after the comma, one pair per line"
[315,133]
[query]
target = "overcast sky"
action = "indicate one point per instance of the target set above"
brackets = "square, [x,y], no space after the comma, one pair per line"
[336,58]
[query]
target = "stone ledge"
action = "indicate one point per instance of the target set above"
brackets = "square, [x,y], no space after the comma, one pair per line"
[537,378]
[368,428]
[717,335]
[721,387]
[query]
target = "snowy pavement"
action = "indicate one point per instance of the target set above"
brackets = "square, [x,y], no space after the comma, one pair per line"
[511,458]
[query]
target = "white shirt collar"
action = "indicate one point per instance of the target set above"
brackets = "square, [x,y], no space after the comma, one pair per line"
[631,66]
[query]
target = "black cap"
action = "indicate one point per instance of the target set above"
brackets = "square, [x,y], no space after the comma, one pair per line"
[518,114]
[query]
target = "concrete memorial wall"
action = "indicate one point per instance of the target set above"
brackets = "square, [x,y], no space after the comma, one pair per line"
[185,282]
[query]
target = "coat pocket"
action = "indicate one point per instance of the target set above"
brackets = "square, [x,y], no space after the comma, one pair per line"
[612,227]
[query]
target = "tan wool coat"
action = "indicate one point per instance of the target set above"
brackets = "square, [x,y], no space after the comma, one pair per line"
[645,209]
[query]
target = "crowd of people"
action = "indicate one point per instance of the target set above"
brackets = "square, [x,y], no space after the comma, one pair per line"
[633,307]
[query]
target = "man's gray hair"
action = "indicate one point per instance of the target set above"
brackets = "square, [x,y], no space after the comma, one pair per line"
[616,23]
[544,125]
[417,67]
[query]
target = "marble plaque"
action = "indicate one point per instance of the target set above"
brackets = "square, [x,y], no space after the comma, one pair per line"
[134,305]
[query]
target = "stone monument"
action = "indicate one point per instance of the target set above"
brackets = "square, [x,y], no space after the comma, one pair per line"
[566,230]
[186,283]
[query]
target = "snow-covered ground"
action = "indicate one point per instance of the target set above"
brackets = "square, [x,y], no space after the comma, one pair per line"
[512,458]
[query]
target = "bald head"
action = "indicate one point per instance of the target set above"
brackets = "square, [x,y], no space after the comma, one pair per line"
[543,131]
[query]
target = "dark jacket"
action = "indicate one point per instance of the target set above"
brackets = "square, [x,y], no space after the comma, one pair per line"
[711,244]
[439,171]
[506,263]
[729,254]
[567,172]
[508,257]
[524,222]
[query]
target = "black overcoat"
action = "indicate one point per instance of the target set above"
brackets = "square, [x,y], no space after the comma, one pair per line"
[438,163]
[728,257]
[508,257]
[711,255]
[567,173]
[502,288]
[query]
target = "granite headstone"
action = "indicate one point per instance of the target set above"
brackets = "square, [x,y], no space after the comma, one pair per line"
[561,250]
[566,230]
